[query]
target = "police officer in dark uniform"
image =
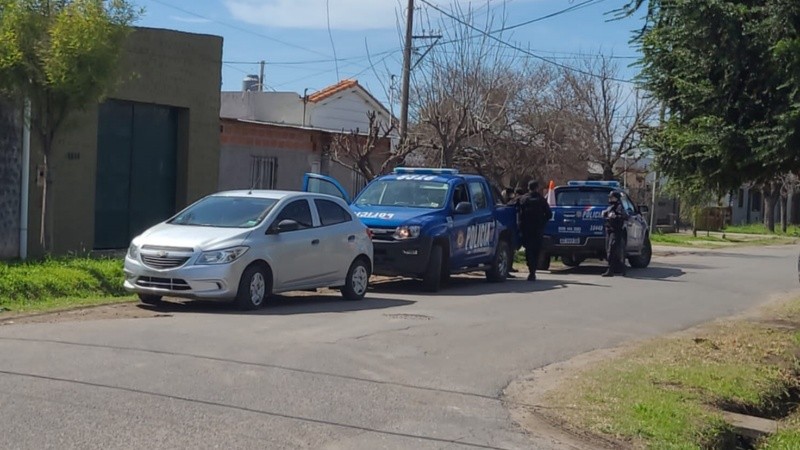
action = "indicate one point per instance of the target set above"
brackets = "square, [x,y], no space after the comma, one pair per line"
[534,212]
[615,217]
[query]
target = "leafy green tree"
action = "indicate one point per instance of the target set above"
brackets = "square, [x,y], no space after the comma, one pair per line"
[61,56]
[728,72]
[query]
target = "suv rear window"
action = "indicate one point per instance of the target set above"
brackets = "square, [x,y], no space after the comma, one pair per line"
[584,196]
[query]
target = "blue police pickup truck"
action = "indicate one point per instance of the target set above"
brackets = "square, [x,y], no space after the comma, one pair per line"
[431,223]
[576,231]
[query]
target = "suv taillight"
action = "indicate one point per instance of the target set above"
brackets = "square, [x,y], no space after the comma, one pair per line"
[369,233]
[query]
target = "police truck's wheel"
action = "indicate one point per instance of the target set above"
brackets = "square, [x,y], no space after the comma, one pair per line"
[149,299]
[355,287]
[642,260]
[432,278]
[571,261]
[501,263]
[254,288]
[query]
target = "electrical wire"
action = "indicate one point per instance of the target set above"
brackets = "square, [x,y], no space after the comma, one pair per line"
[520,49]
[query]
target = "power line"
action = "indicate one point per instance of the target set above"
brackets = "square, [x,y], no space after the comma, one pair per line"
[330,35]
[575,7]
[236,27]
[519,49]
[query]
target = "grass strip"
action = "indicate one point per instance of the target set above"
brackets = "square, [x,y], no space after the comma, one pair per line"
[670,392]
[60,283]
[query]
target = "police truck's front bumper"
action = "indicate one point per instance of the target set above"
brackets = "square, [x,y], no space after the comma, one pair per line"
[407,257]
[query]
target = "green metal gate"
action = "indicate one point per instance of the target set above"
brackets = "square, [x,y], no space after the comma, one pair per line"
[136,168]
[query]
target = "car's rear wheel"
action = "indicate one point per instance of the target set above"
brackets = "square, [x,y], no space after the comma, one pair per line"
[357,282]
[254,288]
[150,299]
[432,278]
[642,260]
[501,263]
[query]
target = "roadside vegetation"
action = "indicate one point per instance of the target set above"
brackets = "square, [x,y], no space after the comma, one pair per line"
[719,240]
[758,228]
[672,392]
[59,283]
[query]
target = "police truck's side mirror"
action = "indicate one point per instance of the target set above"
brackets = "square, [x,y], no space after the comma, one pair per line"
[644,209]
[464,208]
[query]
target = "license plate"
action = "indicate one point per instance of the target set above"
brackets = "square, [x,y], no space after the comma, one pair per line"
[569,241]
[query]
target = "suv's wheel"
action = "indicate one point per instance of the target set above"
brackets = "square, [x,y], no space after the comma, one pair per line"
[357,282]
[642,260]
[432,278]
[150,299]
[571,261]
[501,263]
[254,288]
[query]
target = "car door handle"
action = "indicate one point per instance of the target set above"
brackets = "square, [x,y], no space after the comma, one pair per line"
[315,242]
[351,238]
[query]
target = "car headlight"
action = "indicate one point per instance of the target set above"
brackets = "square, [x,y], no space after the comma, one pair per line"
[225,256]
[133,251]
[407,232]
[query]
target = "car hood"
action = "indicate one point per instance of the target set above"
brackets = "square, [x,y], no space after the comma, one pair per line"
[392,216]
[197,238]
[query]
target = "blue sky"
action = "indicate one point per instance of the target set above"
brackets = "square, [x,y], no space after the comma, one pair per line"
[292,35]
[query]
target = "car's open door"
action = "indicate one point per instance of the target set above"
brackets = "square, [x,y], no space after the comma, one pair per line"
[321,184]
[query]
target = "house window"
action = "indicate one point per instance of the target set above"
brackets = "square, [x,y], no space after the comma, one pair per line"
[358,182]
[263,172]
[740,198]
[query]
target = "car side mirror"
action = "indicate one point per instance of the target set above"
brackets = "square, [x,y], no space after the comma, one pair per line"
[644,209]
[284,226]
[464,208]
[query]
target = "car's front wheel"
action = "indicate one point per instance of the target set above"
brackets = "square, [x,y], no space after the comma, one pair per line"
[357,282]
[501,264]
[254,288]
[642,260]
[149,299]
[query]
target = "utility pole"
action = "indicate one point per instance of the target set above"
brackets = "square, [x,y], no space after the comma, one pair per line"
[406,73]
[261,78]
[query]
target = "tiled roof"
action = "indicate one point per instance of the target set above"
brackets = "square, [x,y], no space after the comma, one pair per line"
[332,90]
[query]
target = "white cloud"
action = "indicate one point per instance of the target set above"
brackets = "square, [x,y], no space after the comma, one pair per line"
[311,14]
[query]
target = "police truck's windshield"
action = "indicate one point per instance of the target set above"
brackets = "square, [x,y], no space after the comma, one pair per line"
[583,196]
[406,193]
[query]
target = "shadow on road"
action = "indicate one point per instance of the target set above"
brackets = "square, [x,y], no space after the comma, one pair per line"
[280,305]
[656,272]
[466,285]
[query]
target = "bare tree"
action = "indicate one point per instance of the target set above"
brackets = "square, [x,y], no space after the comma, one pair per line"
[612,114]
[369,153]
[461,87]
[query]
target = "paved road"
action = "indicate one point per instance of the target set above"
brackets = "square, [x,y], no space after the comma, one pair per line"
[399,370]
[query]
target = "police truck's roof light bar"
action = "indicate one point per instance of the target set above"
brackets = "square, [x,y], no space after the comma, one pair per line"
[424,171]
[614,184]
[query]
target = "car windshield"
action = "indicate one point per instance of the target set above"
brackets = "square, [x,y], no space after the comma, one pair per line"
[225,212]
[407,193]
[582,197]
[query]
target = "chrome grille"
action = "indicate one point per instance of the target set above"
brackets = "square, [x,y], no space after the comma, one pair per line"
[168,249]
[172,284]
[164,262]
[382,234]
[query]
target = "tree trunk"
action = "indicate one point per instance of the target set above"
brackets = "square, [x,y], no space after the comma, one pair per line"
[608,172]
[784,213]
[771,195]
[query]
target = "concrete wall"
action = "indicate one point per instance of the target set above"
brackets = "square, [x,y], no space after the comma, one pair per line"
[158,66]
[10,174]
[275,107]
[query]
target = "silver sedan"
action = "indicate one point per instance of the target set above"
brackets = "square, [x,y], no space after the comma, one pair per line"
[245,245]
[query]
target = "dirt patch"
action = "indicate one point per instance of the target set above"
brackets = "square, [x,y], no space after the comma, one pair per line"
[127,310]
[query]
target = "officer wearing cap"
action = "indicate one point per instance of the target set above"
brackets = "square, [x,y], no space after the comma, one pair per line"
[615,217]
